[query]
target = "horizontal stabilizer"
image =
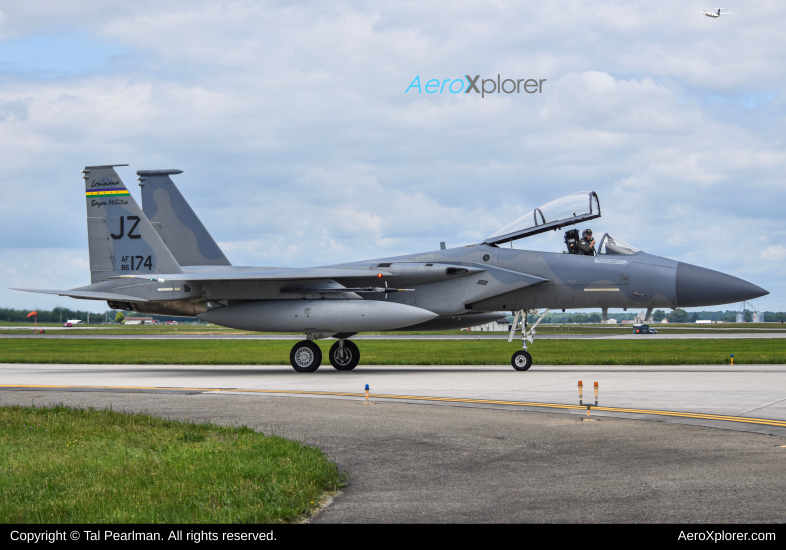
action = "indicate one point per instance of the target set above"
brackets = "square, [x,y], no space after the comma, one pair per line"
[268,275]
[85,294]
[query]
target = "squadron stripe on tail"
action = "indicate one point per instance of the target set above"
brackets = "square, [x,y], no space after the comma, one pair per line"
[118,191]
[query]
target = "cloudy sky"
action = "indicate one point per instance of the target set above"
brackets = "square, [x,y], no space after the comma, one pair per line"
[300,147]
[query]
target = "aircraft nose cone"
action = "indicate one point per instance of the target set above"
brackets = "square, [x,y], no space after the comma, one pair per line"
[697,286]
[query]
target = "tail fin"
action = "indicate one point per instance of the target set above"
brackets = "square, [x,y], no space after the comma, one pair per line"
[120,237]
[176,223]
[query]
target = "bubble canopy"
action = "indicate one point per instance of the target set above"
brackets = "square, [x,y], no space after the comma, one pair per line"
[568,210]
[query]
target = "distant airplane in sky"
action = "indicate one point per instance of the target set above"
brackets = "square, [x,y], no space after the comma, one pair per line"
[715,14]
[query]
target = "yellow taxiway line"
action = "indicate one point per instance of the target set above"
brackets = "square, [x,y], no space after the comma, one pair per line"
[700,416]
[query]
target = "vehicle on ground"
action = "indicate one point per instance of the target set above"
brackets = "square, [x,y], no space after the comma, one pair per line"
[644,329]
[161,260]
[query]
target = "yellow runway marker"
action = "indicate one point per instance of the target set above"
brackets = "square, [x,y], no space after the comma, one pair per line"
[700,416]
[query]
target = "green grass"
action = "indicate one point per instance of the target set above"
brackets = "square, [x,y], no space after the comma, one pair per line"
[396,352]
[62,465]
[107,330]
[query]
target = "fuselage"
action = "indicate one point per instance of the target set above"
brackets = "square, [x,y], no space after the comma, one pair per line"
[638,280]
[456,285]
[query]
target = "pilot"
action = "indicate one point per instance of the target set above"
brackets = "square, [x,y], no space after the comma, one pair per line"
[587,243]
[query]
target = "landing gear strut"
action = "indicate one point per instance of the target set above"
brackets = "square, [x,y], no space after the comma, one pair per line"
[522,360]
[344,355]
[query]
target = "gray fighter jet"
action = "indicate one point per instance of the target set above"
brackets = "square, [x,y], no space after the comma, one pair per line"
[163,261]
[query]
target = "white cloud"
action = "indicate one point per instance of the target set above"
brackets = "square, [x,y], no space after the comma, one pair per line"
[300,147]
[774,253]
[48,269]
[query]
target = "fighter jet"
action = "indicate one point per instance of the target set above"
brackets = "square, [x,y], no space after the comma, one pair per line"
[162,260]
[715,14]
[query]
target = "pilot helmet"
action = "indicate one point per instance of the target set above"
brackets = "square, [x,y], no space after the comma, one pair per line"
[587,234]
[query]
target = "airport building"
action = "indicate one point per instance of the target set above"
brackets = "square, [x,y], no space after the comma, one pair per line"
[498,326]
[140,321]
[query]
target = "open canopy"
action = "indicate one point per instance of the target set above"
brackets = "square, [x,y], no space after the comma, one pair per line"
[569,210]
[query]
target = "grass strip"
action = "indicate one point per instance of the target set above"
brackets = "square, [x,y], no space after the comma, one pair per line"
[64,465]
[105,330]
[396,352]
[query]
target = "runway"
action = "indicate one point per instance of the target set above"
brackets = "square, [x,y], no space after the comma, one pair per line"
[743,398]
[474,336]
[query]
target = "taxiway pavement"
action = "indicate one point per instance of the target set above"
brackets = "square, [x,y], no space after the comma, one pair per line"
[705,393]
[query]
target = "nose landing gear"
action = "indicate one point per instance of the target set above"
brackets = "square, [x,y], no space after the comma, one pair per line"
[522,360]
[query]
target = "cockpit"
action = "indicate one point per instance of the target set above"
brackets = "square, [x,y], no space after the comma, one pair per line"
[564,212]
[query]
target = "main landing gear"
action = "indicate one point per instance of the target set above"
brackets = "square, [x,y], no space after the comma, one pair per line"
[522,360]
[306,355]
[344,355]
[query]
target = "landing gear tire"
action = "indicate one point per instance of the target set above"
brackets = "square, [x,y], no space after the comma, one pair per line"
[305,356]
[345,358]
[521,360]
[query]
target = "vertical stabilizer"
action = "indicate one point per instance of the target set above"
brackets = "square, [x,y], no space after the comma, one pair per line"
[121,239]
[176,223]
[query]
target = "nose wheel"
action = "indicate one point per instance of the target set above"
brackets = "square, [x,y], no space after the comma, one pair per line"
[521,360]
[344,355]
[305,356]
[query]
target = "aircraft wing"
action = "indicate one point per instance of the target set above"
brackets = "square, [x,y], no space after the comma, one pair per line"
[86,294]
[266,275]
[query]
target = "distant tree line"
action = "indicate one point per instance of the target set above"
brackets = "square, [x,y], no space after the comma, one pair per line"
[54,316]
[677,315]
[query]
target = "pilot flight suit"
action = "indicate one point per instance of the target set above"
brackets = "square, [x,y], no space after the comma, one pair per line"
[585,248]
